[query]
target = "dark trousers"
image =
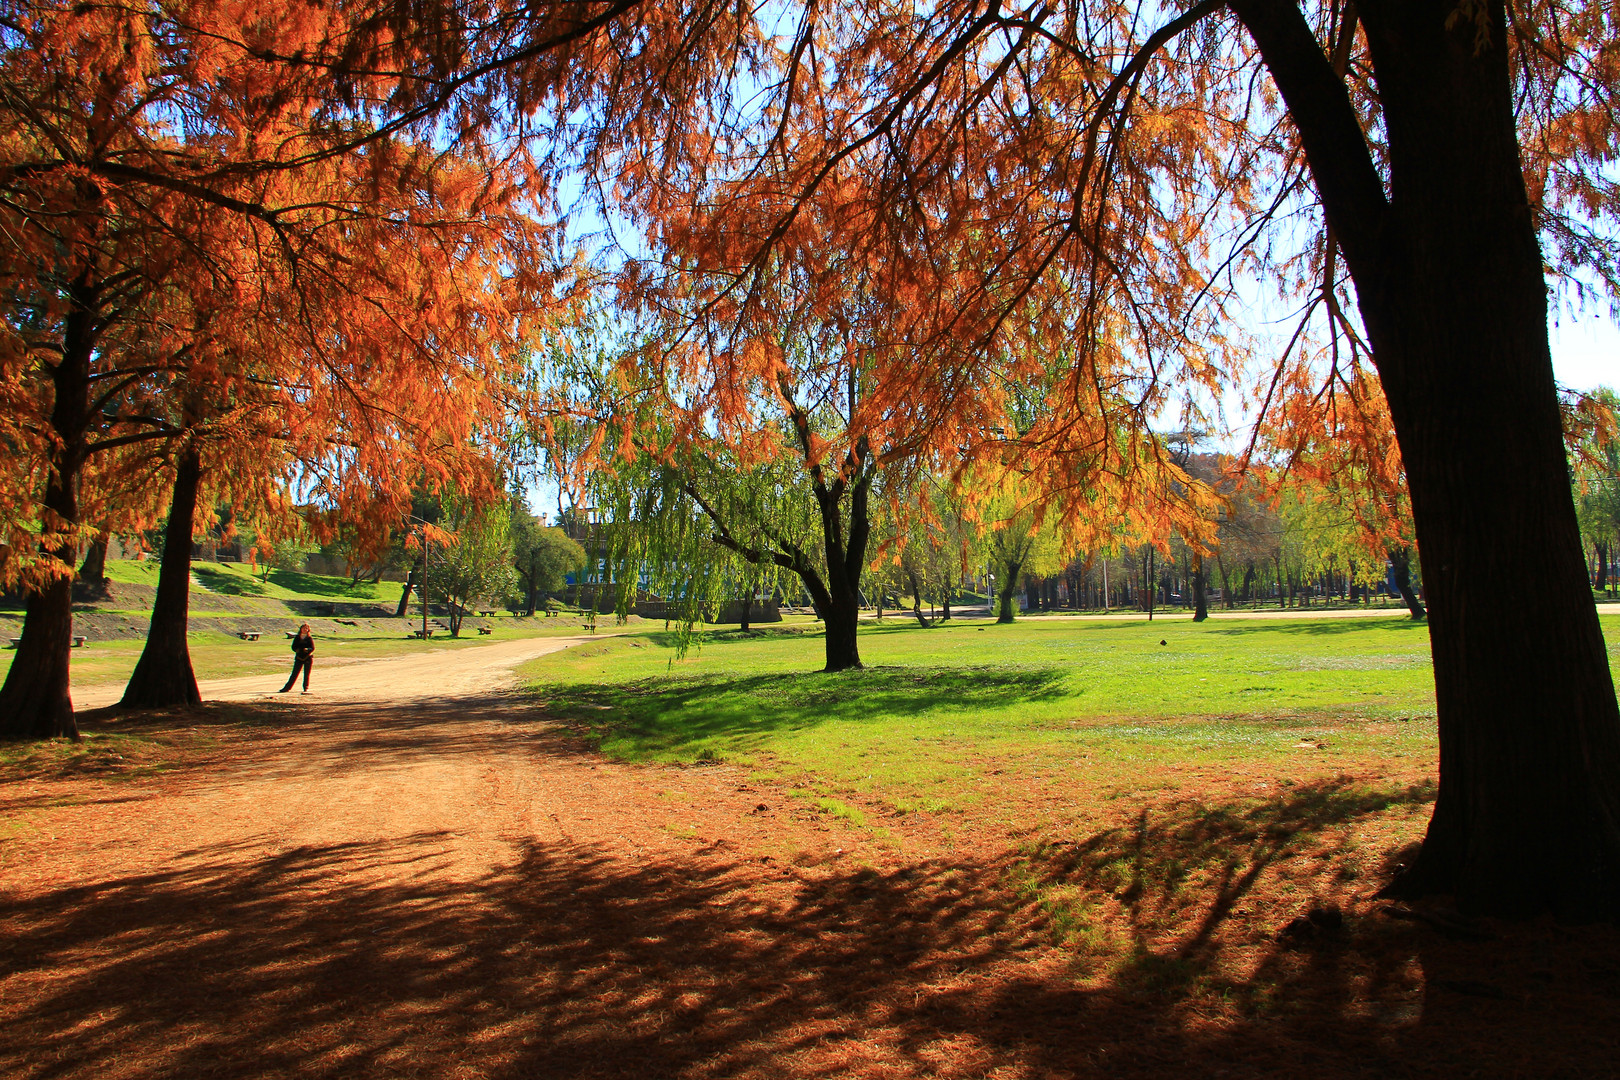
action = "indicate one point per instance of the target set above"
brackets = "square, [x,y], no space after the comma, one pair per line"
[303,663]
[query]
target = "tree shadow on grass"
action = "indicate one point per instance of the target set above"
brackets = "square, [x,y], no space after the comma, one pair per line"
[385,959]
[226,583]
[1182,869]
[668,712]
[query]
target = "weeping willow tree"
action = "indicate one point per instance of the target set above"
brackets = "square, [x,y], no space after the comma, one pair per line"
[699,526]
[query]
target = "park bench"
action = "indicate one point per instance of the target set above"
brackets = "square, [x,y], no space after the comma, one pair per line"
[78,641]
[486,614]
[16,643]
[248,635]
[485,630]
[421,633]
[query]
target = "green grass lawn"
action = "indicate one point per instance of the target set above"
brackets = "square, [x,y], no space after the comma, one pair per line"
[940,715]
[239,579]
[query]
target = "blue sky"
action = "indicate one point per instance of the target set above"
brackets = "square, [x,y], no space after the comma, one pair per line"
[1586,351]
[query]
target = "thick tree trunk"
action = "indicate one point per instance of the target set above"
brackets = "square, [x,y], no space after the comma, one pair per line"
[1450,282]
[35,702]
[1400,561]
[1200,602]
[945,606]
[747,609]
[1602,551]
[410,585]
[1528,813]
[93,571]
[163,676]
[843,650]
[1007,602]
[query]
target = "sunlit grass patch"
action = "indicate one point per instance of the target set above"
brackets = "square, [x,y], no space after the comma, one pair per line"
[969,717]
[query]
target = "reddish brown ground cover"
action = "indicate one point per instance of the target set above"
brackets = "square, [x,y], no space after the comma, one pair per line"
[392,889]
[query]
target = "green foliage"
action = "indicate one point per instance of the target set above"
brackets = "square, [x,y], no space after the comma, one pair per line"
[542,557]
[290,555]
[1597,480]
[477,566]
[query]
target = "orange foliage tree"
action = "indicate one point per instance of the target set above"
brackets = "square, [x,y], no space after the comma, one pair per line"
[205,262]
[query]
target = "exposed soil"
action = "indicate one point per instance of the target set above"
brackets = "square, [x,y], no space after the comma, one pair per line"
[411,874]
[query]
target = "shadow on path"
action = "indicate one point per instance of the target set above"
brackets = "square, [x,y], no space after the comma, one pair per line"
[362,959]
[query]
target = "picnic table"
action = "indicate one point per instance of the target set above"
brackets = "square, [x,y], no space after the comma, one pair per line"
[249,635]
[485,630]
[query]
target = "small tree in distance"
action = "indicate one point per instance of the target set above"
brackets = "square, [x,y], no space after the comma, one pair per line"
[477,567]
[542,557]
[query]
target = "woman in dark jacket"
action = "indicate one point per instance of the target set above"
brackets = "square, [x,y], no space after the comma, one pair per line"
[303,647]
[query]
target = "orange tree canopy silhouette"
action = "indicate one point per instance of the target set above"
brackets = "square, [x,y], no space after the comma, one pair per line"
[201,258]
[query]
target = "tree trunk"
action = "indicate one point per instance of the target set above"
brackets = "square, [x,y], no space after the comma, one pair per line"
[843,650]
[1602,552]
[1200,604]
[1450,283]
[93,571]
[1007,602]
[945,604]
[1400,560]
[36,701]
[163,676]
[747,609]
[405,594]
[916,601]
[1148,589]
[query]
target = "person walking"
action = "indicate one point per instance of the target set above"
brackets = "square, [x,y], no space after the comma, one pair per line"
[303,647]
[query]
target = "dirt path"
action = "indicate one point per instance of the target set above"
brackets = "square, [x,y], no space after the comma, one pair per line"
[395,679]
[412,874]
